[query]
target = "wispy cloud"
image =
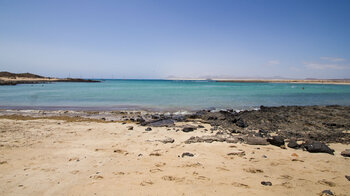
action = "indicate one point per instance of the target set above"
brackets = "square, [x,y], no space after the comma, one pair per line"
[273,62]
[328,63]
[333,59]
[323,66]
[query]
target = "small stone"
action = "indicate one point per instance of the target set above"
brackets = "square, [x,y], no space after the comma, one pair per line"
[345,153]
[347,177]
[187,154]
[327,192]
[148,129]
[188,129]
[130,127]
[266,183]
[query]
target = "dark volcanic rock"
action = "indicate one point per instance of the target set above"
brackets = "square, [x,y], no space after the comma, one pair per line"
[293,144]
[188,129]
[316,146]
[148,129]
[320,123]
[346,153]
[241,123]
[266,183]
[187,154]
[256,141]
[161,123]
[347,177]
[276,140]
[327,192]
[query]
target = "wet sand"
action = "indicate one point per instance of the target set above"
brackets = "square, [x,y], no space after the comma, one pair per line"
[75,157]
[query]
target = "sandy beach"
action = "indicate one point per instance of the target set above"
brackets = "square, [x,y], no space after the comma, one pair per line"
[73,156]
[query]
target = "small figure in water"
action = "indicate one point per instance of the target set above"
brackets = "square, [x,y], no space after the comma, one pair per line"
[302,88]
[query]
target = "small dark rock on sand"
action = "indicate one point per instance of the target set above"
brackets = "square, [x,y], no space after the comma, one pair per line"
[347,177]
[130,127]
[188,129]
[293,144]
[317,147]
[266,183]
[187,154]
[276,141]
[345,153]
[148,129]
[327,192]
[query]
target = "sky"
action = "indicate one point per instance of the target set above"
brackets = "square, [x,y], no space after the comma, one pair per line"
[178,38]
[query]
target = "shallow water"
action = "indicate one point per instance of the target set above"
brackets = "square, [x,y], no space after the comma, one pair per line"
[169,95]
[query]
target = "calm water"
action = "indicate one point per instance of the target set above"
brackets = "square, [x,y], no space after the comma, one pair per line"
[169,95]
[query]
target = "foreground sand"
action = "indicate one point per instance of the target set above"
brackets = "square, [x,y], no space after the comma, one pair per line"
[52,157]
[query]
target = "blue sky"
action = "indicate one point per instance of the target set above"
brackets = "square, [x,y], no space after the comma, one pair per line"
[183,38]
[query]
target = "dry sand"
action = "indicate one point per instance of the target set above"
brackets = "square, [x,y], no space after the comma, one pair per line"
[56,157]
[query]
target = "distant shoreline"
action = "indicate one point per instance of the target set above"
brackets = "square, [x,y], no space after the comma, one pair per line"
[331,81]
[7,78]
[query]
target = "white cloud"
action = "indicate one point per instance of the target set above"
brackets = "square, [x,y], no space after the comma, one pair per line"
[273,62]
[333,59]
[323,66]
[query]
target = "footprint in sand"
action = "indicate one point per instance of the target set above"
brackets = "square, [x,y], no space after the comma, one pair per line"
[326,182]
[222,169]
[155,170]
[119,173]
[160,164]
[74,172]
[146,182]
[237,184]
[253,170]
[155,154]
[202,178]
[96,177]
[172,178]
[74,159]
[191,165]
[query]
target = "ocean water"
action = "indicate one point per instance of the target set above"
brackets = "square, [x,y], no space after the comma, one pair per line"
[168,95]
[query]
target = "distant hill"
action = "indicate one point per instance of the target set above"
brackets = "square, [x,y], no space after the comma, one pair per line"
[19,75]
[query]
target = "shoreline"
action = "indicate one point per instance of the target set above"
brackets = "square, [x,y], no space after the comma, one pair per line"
[323,123]
[140,152]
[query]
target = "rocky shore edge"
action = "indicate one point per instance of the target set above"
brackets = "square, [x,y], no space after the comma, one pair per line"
[300,127]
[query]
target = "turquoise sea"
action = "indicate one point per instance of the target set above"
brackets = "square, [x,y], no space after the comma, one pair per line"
[168,95]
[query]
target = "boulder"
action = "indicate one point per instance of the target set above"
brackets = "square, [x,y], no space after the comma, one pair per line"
[317,147]
[293,144]
[276,141]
